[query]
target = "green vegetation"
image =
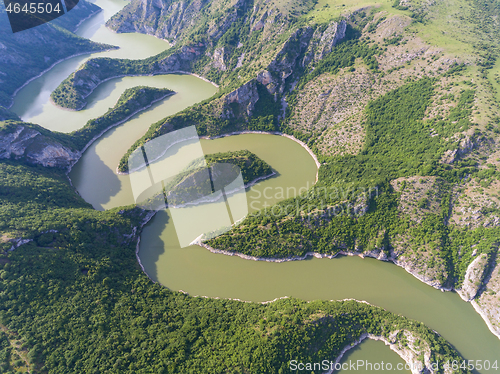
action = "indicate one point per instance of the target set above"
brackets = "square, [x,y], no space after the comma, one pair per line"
[265,113]
[397,141]
[196,181]
[264,118]
[133,100]
[251,166]
[11,126]
[12,353]
[130,102]
[325,220]
[79,303]
[70,96]
[459,117]
[75,293]
[6,115]
[344,55]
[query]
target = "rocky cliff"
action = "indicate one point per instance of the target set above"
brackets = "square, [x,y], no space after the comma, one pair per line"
[474,277]
[171,20]
[315,42]
[21,141]
[486,302]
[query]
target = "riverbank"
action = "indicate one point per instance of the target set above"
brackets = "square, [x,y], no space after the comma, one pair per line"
[380,257]
[96,137]
[291,137]
[83,97]
[406,354]
[194,75]
[52,66]
[302,144]
[126,119]
[138,231]
[86,18]
[485,318]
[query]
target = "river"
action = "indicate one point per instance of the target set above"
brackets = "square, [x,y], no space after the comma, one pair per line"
[199,272]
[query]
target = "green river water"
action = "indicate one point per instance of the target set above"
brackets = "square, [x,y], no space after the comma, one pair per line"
[199,272]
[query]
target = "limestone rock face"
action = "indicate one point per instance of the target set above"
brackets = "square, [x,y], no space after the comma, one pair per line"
[286,59]
[165,19]
[464,147]
[323,41]
[246,96]
[86,80]
[219,59]
[487,302]
[35,148]
[266,79]
[179,61]
[473,278]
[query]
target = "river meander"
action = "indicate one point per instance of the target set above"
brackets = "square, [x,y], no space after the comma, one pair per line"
[200,272]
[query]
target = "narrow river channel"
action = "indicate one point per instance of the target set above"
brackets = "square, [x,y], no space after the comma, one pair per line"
[199,272]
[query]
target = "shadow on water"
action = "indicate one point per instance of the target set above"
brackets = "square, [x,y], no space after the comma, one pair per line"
[102,92]
[370,356]
[29,101]
[104,181]
[152,245]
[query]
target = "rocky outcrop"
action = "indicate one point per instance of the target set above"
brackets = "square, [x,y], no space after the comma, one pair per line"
[481,287]
[413,348]
[218,58]
[487,302]
[245,96]
[318,43]
[179,61]
[170,20]
[286,59]
[16,243]
[415,351]
[29,144]
[422,264]
[323,41]
[465,146]
[473,278]
[162,18]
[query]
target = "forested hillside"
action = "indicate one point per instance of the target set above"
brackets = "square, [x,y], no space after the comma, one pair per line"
[399,102]
[395,98]
[78,301]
